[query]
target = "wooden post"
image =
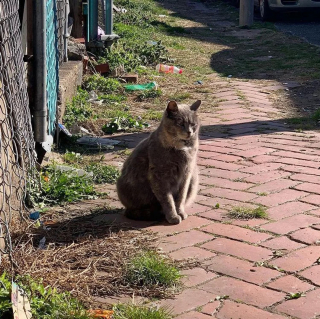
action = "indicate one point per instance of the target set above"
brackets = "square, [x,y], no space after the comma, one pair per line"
[246,13]
[76,14]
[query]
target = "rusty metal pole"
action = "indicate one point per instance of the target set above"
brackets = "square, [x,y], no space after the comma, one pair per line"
[246,13]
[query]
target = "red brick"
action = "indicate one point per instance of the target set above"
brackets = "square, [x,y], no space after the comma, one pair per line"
[216,214]
[282,243]
[297,162]
[235,232]
[191,252]
[284,196]
[184,239]
[242,269]
[266,177]
[218,164]
[288,209]
[188,300]
[211,308]
[223,173]
[255,152]
[196,208]
[229,194]
[213,201]
[312,199]
[306,178]
[308,187]
[250,222]
[290,224]
[228,158]
[188,224]
[307,235]
[196,276]
[296,155]
[303,308]
[257,169]
[242,291]
[299,259]
[313,274]
[235,116]
[224,183]
[264,159]
[239,249]
[193,315]
[290,284]
[273,186]
[232,310]
[300,169]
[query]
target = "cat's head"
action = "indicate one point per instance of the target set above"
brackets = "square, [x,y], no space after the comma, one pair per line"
[182,122]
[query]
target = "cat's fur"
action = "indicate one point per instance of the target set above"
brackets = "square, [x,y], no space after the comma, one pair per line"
[161,175]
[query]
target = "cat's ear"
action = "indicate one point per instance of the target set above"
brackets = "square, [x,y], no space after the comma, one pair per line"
[195,105]
[172,106]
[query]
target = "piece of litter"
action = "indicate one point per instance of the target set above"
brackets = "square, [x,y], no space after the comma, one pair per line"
[93,96]
[141,87]
[98,141]
[152,42]
[34,215]
[161,15]
[198,82]
[73,171]
[229,76]
[100,31]
[63,129]
[108,314]
[20,303]
[42,243]
[48,143]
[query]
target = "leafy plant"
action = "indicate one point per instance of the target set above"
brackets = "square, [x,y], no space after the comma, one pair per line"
[103,173]
[45,302]
[294,295]
[123,123]
[112,98]
[240,212]
[149,94]
[132,311]
[58,187]
[150,269]
[72,157]
[152,115]
[79,109]
[101,84]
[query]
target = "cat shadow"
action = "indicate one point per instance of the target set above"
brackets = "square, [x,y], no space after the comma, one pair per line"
[100,224]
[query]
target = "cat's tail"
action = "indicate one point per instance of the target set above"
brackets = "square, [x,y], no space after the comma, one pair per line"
[144,213]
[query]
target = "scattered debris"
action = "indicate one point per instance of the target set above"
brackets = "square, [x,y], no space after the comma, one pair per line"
[76,49]
[34,215]
[42,243]
[294,295]
[93,96]
[98,142]
[63,129]
[221,297]
[108,314]
[168,69]
[20,303]
[74,171]
[130,78]
[230,76]
[152,42]
[198,82]
[141,87]
[102,68]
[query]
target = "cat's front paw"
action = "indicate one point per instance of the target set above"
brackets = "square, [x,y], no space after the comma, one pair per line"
[173,219]
[182,213]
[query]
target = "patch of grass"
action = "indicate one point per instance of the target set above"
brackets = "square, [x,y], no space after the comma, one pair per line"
[294,295]
[103,173]
[101,84]
[149,94]
[59,187]
[45,302]
[150,269]
[239,212]
[72,157]
[112,98]
[132,311]
[79,109]
[152,115]
[179,97]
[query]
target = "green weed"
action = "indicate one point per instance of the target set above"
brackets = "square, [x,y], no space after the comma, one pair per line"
[78,110]
[123,123]
[132,311]
[151,269]
[294,295]
[72,157]
[103,173]
[149,94]
[46,302]
[152,115]
[240,212]
[112,98]
[59,187]
[179,97]
[101,84]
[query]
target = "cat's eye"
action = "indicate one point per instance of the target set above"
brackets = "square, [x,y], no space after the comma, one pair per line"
[180,123]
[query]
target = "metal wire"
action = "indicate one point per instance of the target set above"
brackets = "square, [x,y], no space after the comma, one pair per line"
[61,7]
[17,157]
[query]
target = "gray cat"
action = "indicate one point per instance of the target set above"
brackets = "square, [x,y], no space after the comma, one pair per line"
[161,176]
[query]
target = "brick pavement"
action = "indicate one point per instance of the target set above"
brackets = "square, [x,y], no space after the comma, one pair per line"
[256,263]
